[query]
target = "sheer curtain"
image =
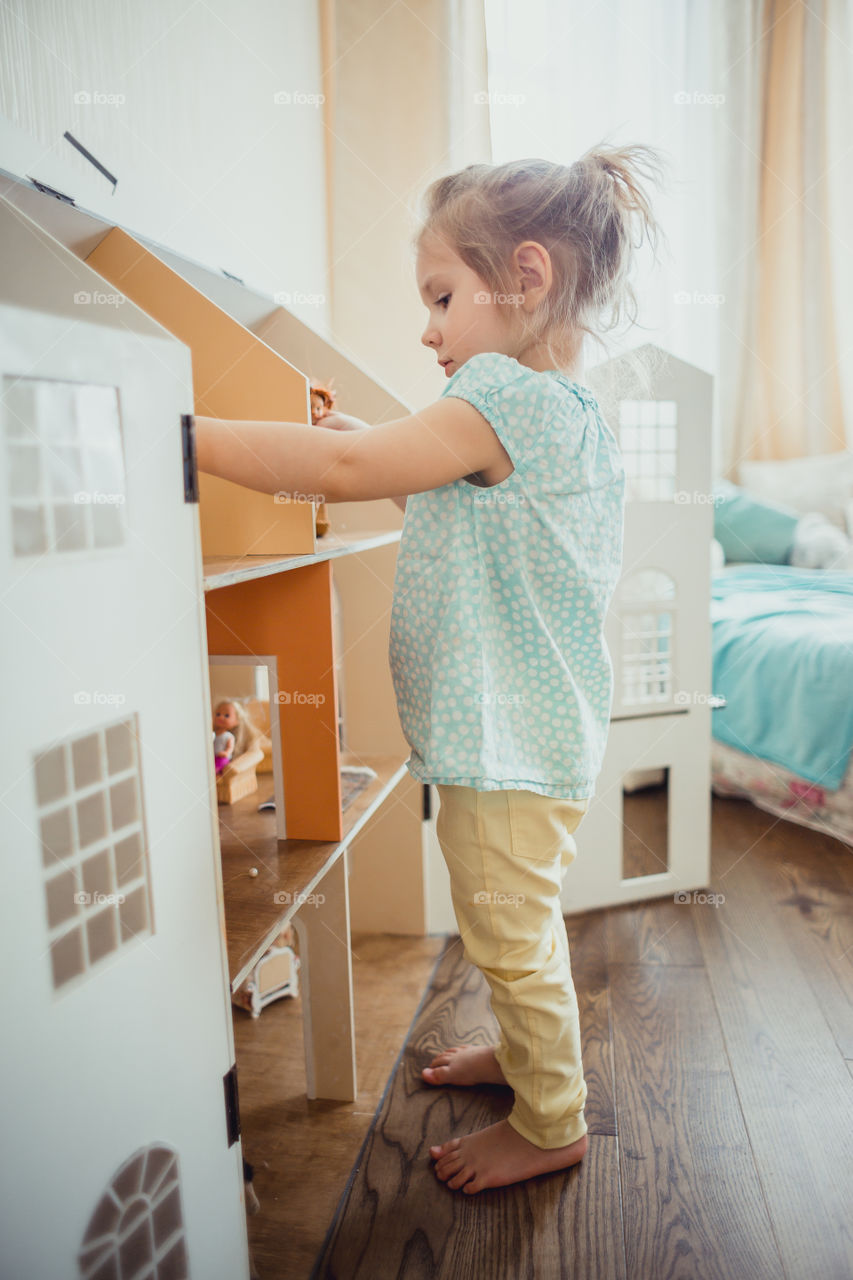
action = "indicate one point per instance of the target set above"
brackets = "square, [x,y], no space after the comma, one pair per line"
[564,76]
[750,100]
[785,243]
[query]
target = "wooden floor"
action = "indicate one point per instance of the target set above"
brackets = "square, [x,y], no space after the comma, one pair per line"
[718,1053]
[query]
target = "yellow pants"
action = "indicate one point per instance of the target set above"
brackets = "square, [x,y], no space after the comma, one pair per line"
[507,853]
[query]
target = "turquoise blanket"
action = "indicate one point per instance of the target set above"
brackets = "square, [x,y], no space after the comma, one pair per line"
[783,659]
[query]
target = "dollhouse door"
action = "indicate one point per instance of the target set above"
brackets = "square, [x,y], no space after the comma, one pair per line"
[122,1157]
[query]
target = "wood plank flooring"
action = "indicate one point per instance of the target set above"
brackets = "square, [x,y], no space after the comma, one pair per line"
[718,1054]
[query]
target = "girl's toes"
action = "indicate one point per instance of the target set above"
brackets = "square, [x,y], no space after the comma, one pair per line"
[444,1148]
[435,1075]
[464,1175]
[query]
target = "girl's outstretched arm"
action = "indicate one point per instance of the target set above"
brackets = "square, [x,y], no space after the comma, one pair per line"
[444,442]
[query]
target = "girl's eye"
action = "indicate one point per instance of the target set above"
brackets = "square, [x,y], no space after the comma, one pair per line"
[444,298]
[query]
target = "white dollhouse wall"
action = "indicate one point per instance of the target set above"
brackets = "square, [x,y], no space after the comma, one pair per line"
[659,636]
[120,1157]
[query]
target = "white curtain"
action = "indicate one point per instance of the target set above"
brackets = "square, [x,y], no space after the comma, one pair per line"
[786,253]
[694,79]
[564,75]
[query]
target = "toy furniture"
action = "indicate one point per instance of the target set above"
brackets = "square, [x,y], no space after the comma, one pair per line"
[239,778]
[275,975]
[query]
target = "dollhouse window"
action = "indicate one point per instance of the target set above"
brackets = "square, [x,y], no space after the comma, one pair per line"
[137,1228]
[648,440]
[646,608]
[65,465]
[93,848]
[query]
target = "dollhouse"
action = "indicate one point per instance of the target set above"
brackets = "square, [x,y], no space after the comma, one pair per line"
[658,632]
[128,578]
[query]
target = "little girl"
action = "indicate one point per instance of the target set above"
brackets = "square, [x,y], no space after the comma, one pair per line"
[513,489]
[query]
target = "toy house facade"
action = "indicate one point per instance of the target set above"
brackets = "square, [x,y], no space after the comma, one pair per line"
[658,632]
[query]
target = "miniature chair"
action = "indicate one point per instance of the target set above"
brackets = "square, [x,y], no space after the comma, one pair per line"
[238,778]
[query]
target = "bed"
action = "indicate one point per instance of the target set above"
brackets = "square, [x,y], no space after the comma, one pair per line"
[782,643]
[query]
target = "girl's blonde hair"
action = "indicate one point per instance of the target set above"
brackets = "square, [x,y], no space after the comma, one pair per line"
[585,214]
[246,732]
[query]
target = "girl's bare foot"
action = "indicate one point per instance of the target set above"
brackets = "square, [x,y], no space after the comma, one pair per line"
[465,1064]
[497,1156]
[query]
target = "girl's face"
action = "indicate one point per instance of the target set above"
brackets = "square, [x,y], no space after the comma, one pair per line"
[225,717]
[464,318]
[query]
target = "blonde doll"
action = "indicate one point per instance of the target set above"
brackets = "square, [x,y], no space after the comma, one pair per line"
[513,488]
[233,733]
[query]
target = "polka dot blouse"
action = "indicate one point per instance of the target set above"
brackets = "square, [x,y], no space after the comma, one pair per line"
[500,666]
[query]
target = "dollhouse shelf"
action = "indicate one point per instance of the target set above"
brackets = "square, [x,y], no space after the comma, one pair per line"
[288,869]
[224,571]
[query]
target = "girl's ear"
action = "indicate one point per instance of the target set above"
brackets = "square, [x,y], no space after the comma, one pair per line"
[533,264]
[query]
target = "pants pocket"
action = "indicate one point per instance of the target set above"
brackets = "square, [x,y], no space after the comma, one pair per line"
[542,826]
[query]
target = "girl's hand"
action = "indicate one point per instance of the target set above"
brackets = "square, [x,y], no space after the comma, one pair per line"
[342,422]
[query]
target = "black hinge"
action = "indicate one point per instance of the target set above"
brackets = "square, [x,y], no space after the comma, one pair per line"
[427,803]
[188,451]
[50,191]
[232,1105]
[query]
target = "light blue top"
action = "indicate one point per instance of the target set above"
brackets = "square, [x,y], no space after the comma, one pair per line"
[500,666]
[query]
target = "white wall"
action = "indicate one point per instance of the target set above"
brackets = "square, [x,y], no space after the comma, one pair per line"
[181,109]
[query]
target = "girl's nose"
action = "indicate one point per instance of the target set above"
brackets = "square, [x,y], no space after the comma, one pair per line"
[430,337]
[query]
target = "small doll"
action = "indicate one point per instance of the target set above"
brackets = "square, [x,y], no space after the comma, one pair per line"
[233,733]
[322,402]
